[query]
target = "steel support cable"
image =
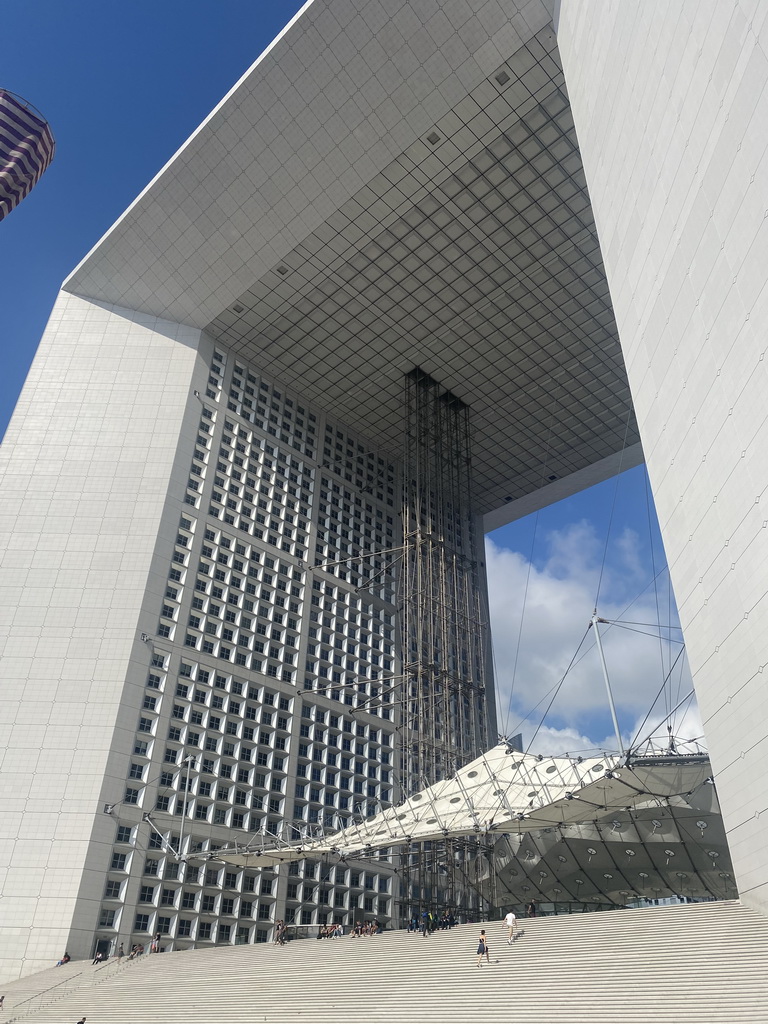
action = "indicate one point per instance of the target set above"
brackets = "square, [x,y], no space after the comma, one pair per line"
[677,707]
[577,659]
[679,688]
[631,622]
[557,689]
[520,628]
[660,691]
[586,652]
[641,632]
[497,687]
[611,622]
[525,718]
[653,567]
[613,506]
[528,573]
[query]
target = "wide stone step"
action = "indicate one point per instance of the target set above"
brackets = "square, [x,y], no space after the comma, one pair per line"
[662,965]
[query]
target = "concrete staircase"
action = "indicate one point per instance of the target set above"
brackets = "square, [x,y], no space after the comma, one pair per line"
[665,965]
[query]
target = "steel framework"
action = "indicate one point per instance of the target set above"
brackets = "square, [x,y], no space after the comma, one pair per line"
[444,705]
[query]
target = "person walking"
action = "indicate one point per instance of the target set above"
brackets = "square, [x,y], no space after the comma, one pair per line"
[530,910]
[120,952]
[483,949]
[2,1000]
[510,922]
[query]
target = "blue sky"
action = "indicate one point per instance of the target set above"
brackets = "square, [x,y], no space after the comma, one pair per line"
[123,86]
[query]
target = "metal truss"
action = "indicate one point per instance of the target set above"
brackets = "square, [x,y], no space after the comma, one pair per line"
[444,721]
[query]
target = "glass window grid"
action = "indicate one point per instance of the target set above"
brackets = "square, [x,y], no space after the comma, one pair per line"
[270,604]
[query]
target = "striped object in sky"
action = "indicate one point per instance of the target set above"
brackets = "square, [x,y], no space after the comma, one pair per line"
[26,149]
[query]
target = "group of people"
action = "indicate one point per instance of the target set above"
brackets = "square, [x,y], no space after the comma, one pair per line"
[365,928]
[430,922]
[136,950]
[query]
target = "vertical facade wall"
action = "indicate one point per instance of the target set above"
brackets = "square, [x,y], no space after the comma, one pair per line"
[671,109]
[85,469]
[162,504]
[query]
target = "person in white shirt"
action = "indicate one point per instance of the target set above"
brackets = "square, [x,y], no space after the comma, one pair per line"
[510,922]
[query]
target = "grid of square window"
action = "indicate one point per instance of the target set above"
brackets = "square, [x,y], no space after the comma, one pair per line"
[356,540]
[213,745]
[247,606]
[341,893]
[272,411]
[344,767]
[223,742]
[353,461]
[261,489]
[350,652]
[209,902]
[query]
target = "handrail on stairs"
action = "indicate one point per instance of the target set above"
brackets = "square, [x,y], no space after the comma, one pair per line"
[64,986]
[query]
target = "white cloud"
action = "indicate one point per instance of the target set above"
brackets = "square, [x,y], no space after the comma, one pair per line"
[541,612]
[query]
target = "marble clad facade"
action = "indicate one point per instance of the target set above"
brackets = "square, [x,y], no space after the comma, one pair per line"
[215,414]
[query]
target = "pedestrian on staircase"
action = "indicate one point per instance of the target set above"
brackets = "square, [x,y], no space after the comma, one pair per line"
[2,1000]
[120,953]
[510,922]
[82,1020]
[483,949]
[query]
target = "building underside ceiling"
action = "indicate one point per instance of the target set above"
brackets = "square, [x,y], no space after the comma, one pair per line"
[475,258]
[468,249]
